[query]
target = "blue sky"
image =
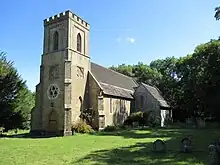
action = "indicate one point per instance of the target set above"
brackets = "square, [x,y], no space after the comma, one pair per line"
[125,31]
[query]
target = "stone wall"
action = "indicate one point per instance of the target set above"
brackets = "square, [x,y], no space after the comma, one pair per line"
[53,77]
[116,110]
[94,100]
[80,65]
[149,102]
[65,69]
[36,112]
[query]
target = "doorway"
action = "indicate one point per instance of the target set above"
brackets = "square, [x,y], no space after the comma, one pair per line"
[52,125]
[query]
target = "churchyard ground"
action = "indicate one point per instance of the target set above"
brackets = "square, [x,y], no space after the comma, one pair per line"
[121,147]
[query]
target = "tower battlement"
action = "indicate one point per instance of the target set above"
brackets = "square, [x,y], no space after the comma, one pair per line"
[65,15]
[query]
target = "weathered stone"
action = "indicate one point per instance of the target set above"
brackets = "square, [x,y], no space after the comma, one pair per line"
[214,156]
[186,145]
[159,146]
[68,133]
[72,81]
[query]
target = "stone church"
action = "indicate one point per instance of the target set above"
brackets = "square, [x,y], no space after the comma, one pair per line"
[70,83]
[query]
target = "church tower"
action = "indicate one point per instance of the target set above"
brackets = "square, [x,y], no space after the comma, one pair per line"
[60,95]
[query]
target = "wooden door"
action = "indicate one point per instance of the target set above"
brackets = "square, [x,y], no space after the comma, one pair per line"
[52,126]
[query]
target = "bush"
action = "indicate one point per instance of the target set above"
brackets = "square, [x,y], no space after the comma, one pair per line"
[154,121]
[122,126]
[82,127]
[140,117]
[110,128]
[134,117]
[2,130]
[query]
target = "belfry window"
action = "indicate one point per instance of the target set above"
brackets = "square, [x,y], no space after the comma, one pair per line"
[79,43]
[55,40]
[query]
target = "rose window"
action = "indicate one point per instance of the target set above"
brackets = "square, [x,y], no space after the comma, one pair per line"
[53,91]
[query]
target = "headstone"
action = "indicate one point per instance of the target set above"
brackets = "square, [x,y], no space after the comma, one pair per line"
[159,146]
[201,123]
[135,124]
[213,155]
[186,145]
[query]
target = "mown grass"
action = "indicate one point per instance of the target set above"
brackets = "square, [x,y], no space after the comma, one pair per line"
[122,147]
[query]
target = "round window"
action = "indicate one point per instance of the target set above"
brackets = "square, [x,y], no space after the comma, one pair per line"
[53,91]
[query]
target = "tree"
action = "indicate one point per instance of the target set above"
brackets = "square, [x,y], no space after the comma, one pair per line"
[146,74]
[217,13]
[124,69]
[23,105]
[13,102]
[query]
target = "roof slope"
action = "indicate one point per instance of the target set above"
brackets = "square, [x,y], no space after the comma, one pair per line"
[156,94]
[111,77]
[112,82]
[116,91]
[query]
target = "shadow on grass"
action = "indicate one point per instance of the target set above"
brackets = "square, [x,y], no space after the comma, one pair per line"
[26,135]
[141,153]
[146,133]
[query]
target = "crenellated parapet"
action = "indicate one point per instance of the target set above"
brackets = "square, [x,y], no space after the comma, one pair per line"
[65,15]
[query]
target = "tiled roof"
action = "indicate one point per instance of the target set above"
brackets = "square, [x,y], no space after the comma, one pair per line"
[116,91]
[110,77]
[156,94]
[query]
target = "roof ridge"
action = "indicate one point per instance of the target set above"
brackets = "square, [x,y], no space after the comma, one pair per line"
[114,71]
[155,87]
[148,90]
[115,86]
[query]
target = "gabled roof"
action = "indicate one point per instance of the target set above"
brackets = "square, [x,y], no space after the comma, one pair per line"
[156,94]
[113,78]
[116,91]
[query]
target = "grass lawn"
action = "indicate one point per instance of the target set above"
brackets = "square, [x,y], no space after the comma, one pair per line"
[124,148]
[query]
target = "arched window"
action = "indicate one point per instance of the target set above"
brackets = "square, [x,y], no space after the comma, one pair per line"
[79,43]
[81,103]
[55,40]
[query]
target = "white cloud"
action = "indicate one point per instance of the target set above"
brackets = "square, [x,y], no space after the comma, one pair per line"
[131,40]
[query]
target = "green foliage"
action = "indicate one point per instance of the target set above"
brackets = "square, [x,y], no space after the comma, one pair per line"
[122,127]
[110,128]
[154,121]
[217,13]
[190,84]
[124,69]
[24,103]
[14,103]
[2,130]
[81,127]
[140,117]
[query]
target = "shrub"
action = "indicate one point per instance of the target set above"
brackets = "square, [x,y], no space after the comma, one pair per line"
[2,130]
[110,128]
[122,126]
[134,117]
[168,121]
[140,117]
[82,127]
[137,116]
[154,121]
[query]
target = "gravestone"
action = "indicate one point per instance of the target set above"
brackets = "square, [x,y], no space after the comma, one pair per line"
[201,123]
[186,145]
[159,146]
[135,124]
[214,153]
